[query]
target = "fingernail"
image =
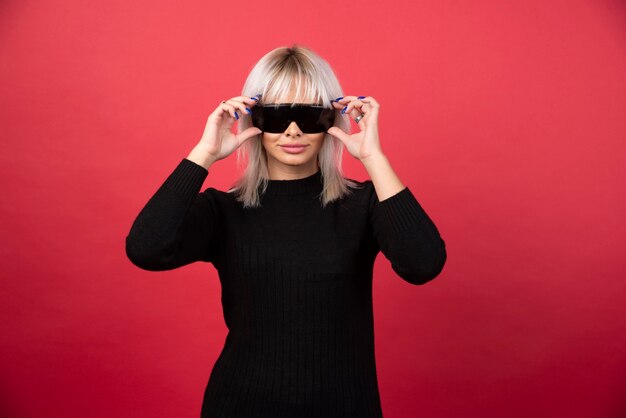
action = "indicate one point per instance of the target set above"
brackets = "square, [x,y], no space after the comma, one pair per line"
[361,97]
[236,116]
[248,110]
[337,99]
[344,110]
[254,98]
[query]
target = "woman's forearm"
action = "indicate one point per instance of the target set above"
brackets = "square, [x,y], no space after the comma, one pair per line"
[385,180]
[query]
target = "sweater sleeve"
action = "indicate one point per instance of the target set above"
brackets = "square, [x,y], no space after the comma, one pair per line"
[178,225]
[407,236]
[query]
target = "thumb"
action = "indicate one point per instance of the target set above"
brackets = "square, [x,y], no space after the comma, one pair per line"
[249,133]
[338,133]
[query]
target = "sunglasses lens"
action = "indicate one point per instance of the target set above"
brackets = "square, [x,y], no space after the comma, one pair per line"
[277,118]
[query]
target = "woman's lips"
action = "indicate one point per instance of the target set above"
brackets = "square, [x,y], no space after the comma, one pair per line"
[293,149]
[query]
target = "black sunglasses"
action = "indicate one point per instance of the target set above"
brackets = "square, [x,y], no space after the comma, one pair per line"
[276,118]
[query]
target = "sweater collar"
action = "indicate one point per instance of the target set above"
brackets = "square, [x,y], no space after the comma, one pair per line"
[312,183]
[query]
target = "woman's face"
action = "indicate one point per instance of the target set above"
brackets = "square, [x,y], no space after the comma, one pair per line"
[292,151]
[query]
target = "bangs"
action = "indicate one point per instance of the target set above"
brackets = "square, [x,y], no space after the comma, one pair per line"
[290,77]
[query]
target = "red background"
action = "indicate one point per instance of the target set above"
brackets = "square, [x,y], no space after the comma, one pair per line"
[505,119]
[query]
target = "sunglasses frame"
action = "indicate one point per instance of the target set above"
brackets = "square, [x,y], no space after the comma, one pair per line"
[324,117]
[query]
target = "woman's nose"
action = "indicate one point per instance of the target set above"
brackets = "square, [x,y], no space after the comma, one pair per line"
[293,129]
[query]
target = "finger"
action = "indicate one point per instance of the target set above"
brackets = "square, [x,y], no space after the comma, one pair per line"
[247,134]
[346,99]
[338,133]
[353,108]
[374,105]
[367,108]
[250,101]
[365,99]
[364,118]
[221,109]
[241,103]
[230,109]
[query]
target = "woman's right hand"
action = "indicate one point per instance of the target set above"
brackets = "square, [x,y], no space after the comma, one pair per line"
[217,141]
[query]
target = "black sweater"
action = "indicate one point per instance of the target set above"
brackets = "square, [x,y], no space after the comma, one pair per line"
[296,284]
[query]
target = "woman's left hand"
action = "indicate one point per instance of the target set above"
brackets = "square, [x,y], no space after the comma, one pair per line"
[365,143]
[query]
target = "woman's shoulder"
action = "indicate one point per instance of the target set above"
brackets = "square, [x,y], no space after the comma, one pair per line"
[360,192]
[362,187]
[365,182]
[218,195]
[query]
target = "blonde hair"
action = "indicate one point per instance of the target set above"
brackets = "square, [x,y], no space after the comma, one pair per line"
[273,76]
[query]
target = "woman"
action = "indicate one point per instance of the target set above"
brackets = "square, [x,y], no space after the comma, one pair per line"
[294,242]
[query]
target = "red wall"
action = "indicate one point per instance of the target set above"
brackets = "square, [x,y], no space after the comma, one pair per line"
[505,119]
